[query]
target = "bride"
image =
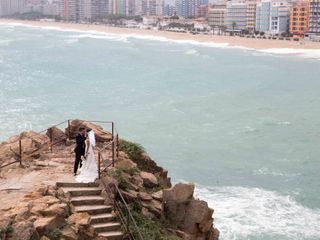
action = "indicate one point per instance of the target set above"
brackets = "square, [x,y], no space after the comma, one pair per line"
[89,170]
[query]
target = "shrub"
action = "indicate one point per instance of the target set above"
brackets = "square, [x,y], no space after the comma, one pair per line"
[55,234]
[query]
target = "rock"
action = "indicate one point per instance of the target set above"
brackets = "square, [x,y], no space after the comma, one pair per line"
[129,195]
[144,196]
[78,220]
[149,179]
[180,193]
[145,212]
[193,216]
[154,207]
[68,233]
[24,230]
[100,134]
[45,224]
[4,221]
[125,163]
[30,142]
[44,238]
[57,135]
[158,195]
[198,217]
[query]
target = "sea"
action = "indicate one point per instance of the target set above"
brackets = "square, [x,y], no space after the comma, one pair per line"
[242,124]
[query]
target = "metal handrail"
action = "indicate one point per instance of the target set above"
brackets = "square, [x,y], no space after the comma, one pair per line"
[125,219]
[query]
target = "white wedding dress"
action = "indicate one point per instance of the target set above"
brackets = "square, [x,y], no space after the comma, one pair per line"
[89,170]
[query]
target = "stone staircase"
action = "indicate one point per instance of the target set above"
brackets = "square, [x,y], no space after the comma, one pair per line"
[86,197]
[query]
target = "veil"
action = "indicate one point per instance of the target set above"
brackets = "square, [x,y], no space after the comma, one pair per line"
[92,138]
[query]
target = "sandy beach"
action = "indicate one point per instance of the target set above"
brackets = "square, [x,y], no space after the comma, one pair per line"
[230,40]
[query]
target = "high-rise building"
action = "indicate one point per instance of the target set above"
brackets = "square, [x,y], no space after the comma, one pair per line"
[187,8]
[202,11]
[216,15]
[169,10]
[251,14]
[314,17]
[299,17]
[9,7]
[236,15]
[273,16]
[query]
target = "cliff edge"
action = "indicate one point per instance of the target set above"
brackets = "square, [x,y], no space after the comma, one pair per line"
[33,207]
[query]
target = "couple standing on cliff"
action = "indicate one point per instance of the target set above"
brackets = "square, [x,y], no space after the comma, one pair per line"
[85,143]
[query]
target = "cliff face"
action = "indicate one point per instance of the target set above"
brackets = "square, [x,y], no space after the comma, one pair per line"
[160,210]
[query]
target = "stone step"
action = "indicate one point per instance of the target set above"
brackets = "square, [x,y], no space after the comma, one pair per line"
[93,209]
[82,191]
[114,235]
[106,227]
[102,218]
[76,184]
[87,200]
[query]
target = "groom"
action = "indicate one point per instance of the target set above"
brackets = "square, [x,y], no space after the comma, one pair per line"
[79,149]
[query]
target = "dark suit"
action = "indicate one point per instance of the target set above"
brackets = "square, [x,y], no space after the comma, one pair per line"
[79,150]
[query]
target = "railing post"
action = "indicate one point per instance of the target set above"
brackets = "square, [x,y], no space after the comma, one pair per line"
[69,129]
[117,146]
[99,162]
[50,135]
[20,151]
[112,144]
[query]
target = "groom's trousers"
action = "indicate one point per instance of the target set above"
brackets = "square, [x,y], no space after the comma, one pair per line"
[76,162]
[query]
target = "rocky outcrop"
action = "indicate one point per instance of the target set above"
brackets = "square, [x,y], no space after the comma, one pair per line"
[30,144]
[144,185]
[100,134]
[193,216]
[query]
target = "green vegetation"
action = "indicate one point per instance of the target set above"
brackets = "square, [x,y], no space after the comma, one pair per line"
[117,175]
[136,153]
[149,228]
[55,234]
[32,16]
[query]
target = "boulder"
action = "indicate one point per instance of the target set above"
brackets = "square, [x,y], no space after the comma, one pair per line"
[192,216]
[57,135]
[149,179]
[158,195]
[45,224]
[180,193]
[44,238]
[125,163]
[68,233]
[144,196]
[129,195]
[78,220]
[100,134]
[24,230]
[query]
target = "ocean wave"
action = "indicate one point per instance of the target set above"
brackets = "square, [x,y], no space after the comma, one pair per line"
[306,53]
[251,213]
[267,171]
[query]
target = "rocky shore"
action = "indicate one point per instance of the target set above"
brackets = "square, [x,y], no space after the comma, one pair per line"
[34,207]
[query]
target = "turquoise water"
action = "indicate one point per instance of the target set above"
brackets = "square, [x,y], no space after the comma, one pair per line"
[243,124]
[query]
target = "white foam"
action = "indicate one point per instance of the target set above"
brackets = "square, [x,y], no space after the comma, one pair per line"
[306,53]
[267,171]
[251,213]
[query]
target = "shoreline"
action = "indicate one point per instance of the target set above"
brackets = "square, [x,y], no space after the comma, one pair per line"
[267,45]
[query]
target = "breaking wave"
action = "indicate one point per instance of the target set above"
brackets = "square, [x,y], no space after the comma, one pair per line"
[254,213]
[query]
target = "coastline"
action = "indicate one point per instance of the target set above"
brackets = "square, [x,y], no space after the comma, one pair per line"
[267,45]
